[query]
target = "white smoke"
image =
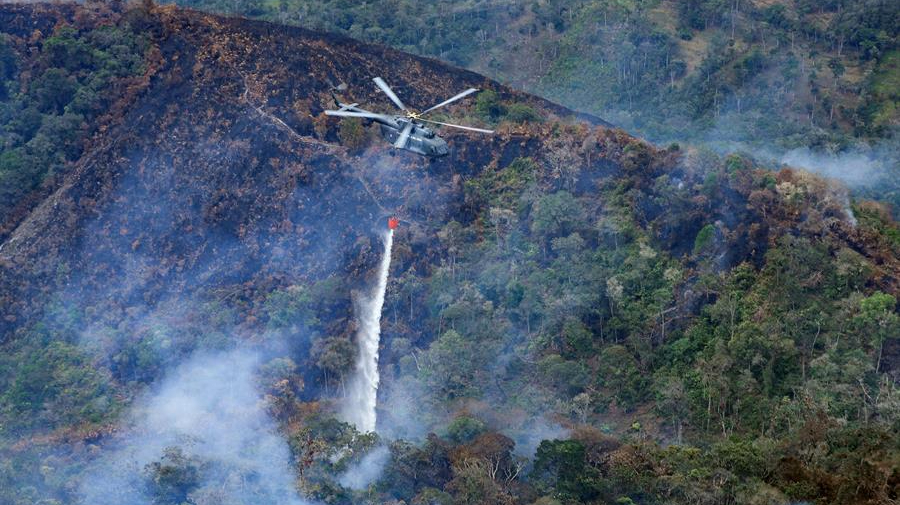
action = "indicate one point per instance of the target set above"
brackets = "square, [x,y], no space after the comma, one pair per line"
[858,167]
[209,413]
[853,168]
[367,470]
[530,435]
[359,407]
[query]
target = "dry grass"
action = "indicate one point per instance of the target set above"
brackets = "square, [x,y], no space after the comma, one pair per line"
[695,50]
[665,17]
[762,4]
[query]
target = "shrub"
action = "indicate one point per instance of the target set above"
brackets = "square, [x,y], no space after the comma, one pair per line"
[489,107]
[352,133]
[704,238]
[521,113]
[463,429]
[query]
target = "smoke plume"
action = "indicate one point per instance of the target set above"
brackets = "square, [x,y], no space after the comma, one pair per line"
[367,470]
[202,436]
[854,168]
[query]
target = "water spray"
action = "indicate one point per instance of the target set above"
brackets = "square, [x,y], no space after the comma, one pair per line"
[359,408]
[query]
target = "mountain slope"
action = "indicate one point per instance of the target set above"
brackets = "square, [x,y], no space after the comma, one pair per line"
[671,317]
[763,77]
[235,82]
[722,68]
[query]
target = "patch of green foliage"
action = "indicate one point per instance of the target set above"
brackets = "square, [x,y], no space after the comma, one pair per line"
[50,383]
[173,477]
[492,110]
[704,238]
[463,429]
[880,222]
[577,303]
[561,467]
[352,133]
[290,307]
[502,188]
[521,113]
[881,106]
[49,99]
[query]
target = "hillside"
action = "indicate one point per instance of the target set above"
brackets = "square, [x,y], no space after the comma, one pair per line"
[573,315]
[771,78]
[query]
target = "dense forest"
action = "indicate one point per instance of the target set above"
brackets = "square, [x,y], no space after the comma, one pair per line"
[762,77]
[45,126]
[573,315]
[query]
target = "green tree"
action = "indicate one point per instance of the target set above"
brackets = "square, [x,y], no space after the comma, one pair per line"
[555,215]
[489,107]
[173,477]
[521,113]
[560,467]
[290,308]
[53,90]
[879,319]
[464,428]
[335,356]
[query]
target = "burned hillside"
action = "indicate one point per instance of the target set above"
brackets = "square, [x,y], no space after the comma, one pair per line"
[559,277]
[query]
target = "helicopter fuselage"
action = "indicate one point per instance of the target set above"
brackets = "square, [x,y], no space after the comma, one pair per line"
[422,140]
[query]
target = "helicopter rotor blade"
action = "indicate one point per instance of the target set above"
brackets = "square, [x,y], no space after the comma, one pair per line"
[451,100]
[370,115]
[389,92]
[404,136]
[470,128]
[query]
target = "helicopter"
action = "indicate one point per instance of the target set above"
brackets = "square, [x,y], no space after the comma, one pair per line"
[407,130]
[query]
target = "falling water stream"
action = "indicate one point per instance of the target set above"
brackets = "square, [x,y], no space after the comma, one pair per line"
[359,407]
